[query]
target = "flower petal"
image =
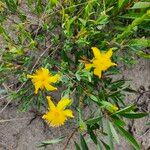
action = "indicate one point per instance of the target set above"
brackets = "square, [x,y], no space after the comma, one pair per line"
[98,72]
[45,70]
[68,113]
[96,52]
[63,103]
[54,78]
[109,53]
[49,87]
[88,66]
[38,85]
[113,64]
[50,103]
[30,76]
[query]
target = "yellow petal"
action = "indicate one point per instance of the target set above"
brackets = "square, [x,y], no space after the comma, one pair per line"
[39,71]
[113,64]
[96,52]
[38,86]
[88,66]
[49,87]
[29,76]
[63,103]
[68,113]
[98,72]
[54,78]
[50,103]
[109,53]
[45,70]
[36,90]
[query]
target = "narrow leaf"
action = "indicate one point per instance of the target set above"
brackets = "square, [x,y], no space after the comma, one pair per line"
[92,135]
[49,142]
[109,133]
[12,6]
[94,98]
[105,145]
[133,115]
[120,2]
[126,109]
[93,120]
[129,137]
[83,143]
[140,5]
[77,146]
[114,133]
[128,30]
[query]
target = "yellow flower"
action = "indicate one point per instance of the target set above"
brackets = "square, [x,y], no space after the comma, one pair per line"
[100,62]
[57,115]
[42,79]
[114,108]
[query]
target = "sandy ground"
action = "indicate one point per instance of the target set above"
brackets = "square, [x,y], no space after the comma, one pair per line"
[20,134]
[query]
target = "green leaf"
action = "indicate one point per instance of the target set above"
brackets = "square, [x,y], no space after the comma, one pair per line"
[2,30]
[82,124]
[141,5]
[77,146]
[65,57]
[142,54]
[120,3]
[117,84]
[11,4]
[106,146]
[53,2]
[129,29]
[133,16]
[141,43]
[94,98]
[129,137]
[133,115]
[83,143]
[108,106]
[4,33]
[93,120]
[22,16]
[124,110]
[119,122]
[99,146]
[109,133]
[128,89]
[82,21]
[114,133]
[49,142]
[92,135]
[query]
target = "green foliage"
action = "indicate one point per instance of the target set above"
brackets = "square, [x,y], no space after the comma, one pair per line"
[129,137]
[59,36]
[50,142]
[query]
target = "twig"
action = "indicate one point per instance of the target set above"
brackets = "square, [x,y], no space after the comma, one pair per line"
[141,136]
[3,97]
[70,137]
[14,119]
[5,106]
[40,58]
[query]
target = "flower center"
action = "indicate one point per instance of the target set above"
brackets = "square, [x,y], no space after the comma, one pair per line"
[56,113]
[43,78]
